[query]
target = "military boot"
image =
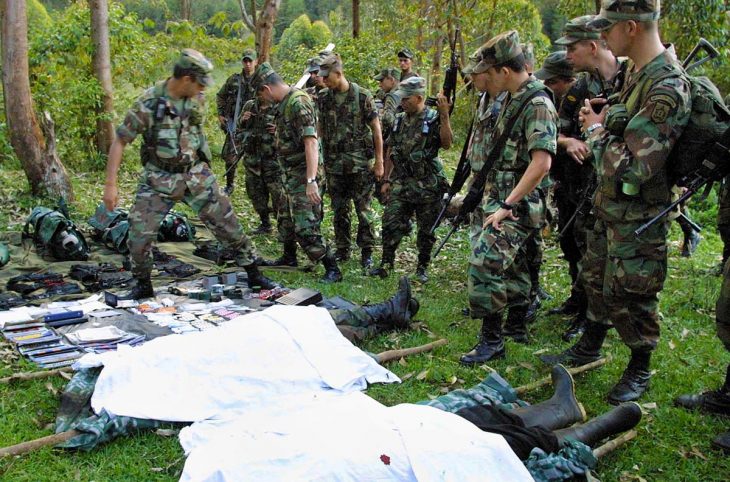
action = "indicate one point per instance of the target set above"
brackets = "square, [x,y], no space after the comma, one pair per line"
[620,419]
[398,311]
[342,254]
[143,289]
[561,410]
[490,345]
[714,401]
[691,241]
[289,258]
[366,261]
[256,279]
[586,350]
[332,273]
[264,227]
[386,265]
[722,442]
[516,325]
[577,327]
[635,379]
[421,274]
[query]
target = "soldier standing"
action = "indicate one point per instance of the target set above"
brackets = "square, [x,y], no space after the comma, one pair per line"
[631,141]
[414,175]
[175,169]
[514,210]
[297,152]
[351,135]
[388,80]
[405,61]
[230,98]
[602,75]
[557,74]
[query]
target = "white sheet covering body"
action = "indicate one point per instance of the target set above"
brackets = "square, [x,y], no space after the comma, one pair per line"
[276,396]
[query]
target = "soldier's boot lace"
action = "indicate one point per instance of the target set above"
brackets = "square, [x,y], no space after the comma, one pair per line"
[516,325]
[332,273]
[620,419]
[586,350]
[635,379]
[490,345]
[143,289]
[398,311]
[256,279]
[559,411]
[713,401]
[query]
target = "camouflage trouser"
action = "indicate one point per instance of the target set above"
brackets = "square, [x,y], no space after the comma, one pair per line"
[722,309]
[355,324]
[723,218]
[623,276]
[229,157]
[157,193]
[358,188]
[259,175]
[299,219]
[533,251]
[402,205]
[498,273]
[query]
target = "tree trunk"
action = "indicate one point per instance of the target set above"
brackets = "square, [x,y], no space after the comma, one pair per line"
[186,9]
[102,71]
[436,77]
[45,172]
[265,29]
[355,18]
[598,7]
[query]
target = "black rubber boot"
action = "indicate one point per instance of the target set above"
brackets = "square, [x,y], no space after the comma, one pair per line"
[561,410]
[620,419]
[332,273]
[366,260]
[586,350]
[143,289]
[256,279]
[715,401]
[532,309]
[490,345]
[342,254]
[516,325]
[289,258]
[576,328]
[386,265]
[722,442]
[398,311]
[635,379]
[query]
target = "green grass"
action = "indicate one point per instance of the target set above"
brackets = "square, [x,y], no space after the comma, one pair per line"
[672,444]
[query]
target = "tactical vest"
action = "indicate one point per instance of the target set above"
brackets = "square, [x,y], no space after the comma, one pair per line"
[257,142]
[334,117]
[416,156]
[162,143]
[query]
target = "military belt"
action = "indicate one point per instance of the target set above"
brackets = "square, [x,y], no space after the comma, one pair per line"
[171,167]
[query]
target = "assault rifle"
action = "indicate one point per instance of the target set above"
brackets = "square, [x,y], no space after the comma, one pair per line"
[715,167]
[450,77]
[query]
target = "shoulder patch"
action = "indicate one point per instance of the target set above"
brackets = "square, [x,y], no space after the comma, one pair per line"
[662,106]
[570,98]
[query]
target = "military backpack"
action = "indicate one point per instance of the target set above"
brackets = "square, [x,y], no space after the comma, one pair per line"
[55,234]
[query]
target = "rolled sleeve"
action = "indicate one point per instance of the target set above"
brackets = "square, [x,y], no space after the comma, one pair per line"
[541,129]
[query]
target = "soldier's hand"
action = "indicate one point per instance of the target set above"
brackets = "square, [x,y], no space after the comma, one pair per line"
[271,128]
[495,219]
[111,196]
[378,169]
[246,116]
[588,116]
[577,149]
[313,193]
[442,103]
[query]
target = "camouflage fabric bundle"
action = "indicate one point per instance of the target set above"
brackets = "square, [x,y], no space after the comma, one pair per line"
[175,227]
[111,228]
[55,234]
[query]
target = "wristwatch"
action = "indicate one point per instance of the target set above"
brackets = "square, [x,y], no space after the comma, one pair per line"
[507,206]
[312,180]
[592,128]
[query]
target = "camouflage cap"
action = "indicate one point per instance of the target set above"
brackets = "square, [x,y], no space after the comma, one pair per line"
[388,72]
[555,65]
[498,50]
[405,53]
[578,29]
[196,62]
[313,64]
[249,54]
[614,11]
[330,63]
[411,86]
[262,72]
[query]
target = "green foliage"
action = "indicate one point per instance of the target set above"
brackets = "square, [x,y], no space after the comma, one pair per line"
[303,33]
[289,12]
[38,18]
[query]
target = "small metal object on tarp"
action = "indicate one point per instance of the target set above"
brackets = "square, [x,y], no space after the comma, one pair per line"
[301,297]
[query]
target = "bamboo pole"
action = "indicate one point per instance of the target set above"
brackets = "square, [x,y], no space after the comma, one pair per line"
[573,371]
[390,355]
[35,375]
[613,444]
[39,443]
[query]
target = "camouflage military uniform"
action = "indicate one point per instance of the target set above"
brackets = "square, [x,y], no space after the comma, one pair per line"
[226,101]
[418,183]
[498,273]
[175,154]
[299,219]
[623,275]
[391,107]
[723,218]
[263,174]
[347,145]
